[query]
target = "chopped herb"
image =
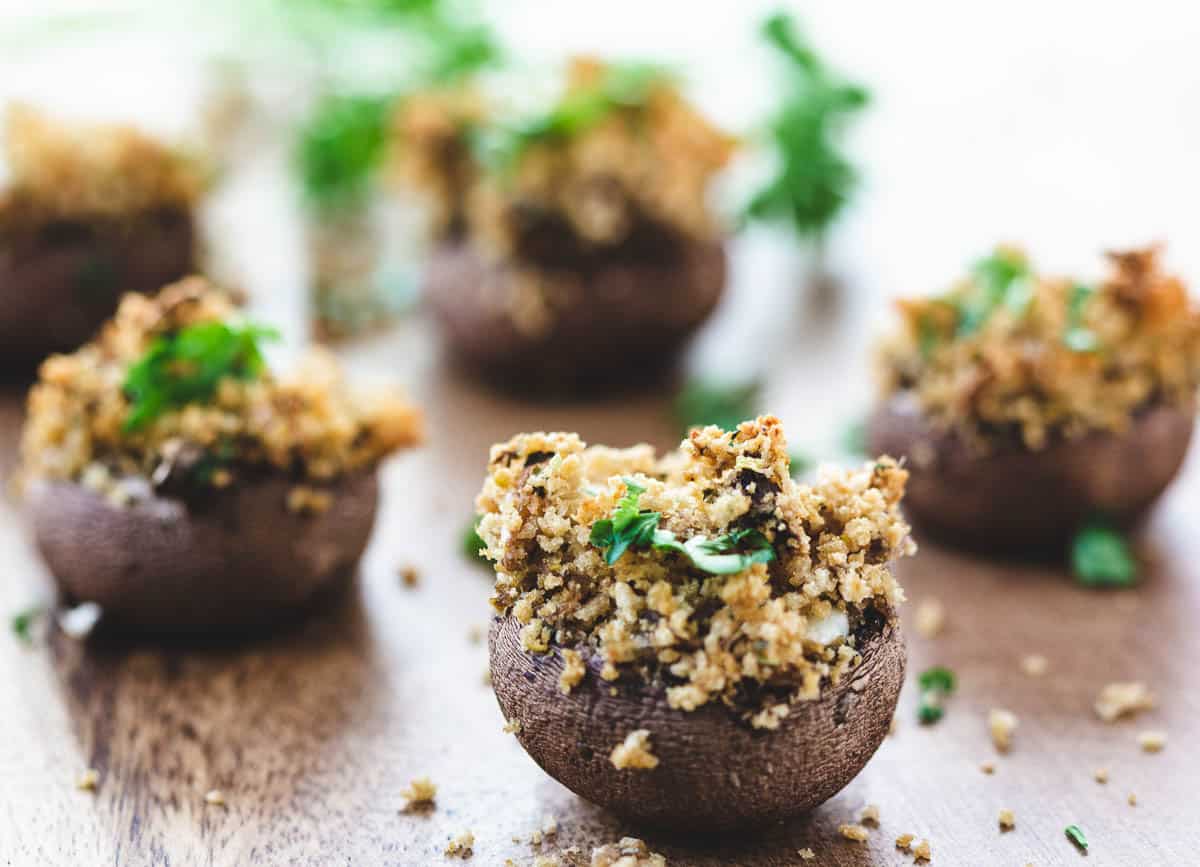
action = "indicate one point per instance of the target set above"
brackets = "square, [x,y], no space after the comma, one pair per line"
[929,713]
[473,545]
[340,148]
[1101,557]
[814,179]
[799,463]
[854,438]
[187,366]
[22,622]
[937,678]
[631,528]
[1075,835]
[702,403]
[1076,335]
[1001,279]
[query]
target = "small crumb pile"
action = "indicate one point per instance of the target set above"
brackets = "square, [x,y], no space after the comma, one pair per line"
[772,633]
[419,793]
[1001,725]
[1008,355]
[1152,740]
[461,845]
[1007,820]
[1121,699]
[629,852]
[634,752]
[311,423]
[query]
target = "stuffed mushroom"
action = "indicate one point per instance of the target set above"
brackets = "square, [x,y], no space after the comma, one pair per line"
[694,641]
[87,213]
[575,247]
[1028,406]
[173,479]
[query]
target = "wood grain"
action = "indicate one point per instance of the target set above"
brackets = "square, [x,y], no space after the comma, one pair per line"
[311,735]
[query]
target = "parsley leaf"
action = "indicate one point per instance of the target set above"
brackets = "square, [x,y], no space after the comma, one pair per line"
[1001,279]
[701,403]
[473,545]
[1101,557]
[936,683]
[340,148]
[22,622]
[630,527]
[188,365]
[814,178]
[1075,835]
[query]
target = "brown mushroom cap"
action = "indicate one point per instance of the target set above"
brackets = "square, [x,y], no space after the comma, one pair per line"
[234,559]
[715,772]
[60,281]
[1013,498]
[632,314]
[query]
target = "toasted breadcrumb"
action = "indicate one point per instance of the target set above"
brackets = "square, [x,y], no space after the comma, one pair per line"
[1123,699]
[1101,775]
[1001,725]
[922,851]
[857,833]
[547,861]
[475,633]
[573,670]
[307,500]
[652,613]
[904,842]
[549,825]
[931,618]
[88,780]
[1152,740]
[1034,665]
[1132,799]
[512,726]
[214,797]
[461,845]
[629,852]
[420,792]
[868,815]
[409,576]
[806,854]
[1007,820]
[988,767]
[634,752]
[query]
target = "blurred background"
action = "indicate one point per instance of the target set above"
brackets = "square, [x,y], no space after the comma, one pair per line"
[1068,128]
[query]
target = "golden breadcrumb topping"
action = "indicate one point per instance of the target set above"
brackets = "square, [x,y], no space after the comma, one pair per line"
[758,638]
[1010,354]
[309,423]
[634,752]
[61,170]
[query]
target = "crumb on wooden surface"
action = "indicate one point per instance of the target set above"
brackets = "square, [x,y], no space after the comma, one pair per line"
[1152,740]
[88,780]
[922,851]
[1007,820]
[1034,665]
[854,832]
[214,798]
[930,618]
[409,576]
[1001,725]
[634,752]
[461,845]
[868,815]
[420,792]
[1132,799]
[1101,775]
[1123,698]
[988,767]
[904,842]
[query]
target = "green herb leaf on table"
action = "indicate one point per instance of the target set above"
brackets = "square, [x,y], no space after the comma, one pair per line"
[1102,557]
[929,713]
[22,622]
[473,545]
[188,365]
[702,402]
[1076,836]
[937,678]
[814,178]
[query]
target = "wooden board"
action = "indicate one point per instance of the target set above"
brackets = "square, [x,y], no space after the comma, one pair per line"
[312,735]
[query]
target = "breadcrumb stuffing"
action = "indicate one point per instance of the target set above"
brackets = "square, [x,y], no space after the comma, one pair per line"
[904,842]
[806,854]
[461,845]
[1007,820]
[629,852]
[420,792]
[922,851]
[88,781]
[573,670]
[1152,740]
[854,832]
[748,639]
[1001,725]
[634,752]
[1034,665]
[1065,361]
[931,618]
[1120,699]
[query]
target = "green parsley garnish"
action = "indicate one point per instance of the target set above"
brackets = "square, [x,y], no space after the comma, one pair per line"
[340,148]
[631,528]
[702,402]
[936,684]
[1077,336]
[1075,835]
[1002,279]
[22,622]
[1101,557]
[814,179]
[473,545]
[188,365]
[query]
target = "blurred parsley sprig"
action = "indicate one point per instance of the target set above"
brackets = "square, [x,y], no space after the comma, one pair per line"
[814,179]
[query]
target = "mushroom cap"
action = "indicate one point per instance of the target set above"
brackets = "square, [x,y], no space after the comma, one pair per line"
[1015,498]
[627,315]
[60,282]
[227,561]
[715,772]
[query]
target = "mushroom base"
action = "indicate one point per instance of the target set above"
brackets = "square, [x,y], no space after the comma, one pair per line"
[235,559]
[715,773]
[623,319]
[1020,501]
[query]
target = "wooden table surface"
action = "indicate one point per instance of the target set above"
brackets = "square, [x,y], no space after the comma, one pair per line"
[312,735]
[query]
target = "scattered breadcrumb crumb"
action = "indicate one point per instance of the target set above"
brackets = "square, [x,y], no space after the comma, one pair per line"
[931,618]
[88,780]
[79,621]
[1034,665]
[420,793]
[512,726]
[1101,775]
[630,852]
[869,814]
[1132,799]
[854,832]
[409,576]
[892,726]
[475,633]
[922,852]
[535,839]
[573,670]
[487,676]
[988,767]
[904,841]
[806,854]
[1007,820]
[1002,724]
[634,752]
[547,861]
[215,798]
[461,845]
[549,825]
[1152,740]
[1123,699]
